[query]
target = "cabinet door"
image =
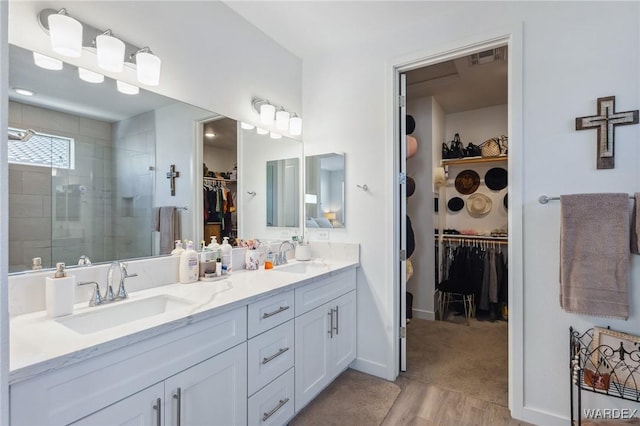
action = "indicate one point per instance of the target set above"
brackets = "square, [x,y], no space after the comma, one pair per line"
[213,392]
[140,409]
[343,343]
[312,341]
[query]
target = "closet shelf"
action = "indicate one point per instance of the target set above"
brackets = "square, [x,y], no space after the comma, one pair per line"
[215,179]
[472,160]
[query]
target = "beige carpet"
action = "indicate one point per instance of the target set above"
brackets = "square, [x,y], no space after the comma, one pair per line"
[354,398]
[469,359]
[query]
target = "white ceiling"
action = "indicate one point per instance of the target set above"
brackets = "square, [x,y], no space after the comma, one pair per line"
[311,28]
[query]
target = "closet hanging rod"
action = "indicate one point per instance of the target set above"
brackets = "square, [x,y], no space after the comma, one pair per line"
[471,237]
[543,199]
[217,179]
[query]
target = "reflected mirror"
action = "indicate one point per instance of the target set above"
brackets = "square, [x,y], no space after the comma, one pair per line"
[283,199]
[270,185]
[86,183]
[324,191]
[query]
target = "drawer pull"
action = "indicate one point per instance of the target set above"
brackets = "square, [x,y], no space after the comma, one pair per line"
[330,325]
[158,408]
[277,311]
[274,356]
[337,317]
[276,408]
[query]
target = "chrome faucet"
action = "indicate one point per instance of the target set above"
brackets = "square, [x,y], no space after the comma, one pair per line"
[84,260]
[97,298]
[281,257]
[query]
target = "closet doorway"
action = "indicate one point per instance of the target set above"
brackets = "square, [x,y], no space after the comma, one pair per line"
[457,288]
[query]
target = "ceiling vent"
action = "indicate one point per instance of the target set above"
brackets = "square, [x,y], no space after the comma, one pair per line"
[488,56]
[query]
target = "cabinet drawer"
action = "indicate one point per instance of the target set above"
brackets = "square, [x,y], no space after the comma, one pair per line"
[274,404]
[267,313]
[317,293]
[269,355]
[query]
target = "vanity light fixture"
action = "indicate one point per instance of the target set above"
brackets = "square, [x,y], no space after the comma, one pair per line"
[148,67]
[295,125]
[274,135]
[73,38]
[66,34]
[284,120]
[110,51]
[126,88]
[47,62]
[246,126]
[90,76]
[261,131]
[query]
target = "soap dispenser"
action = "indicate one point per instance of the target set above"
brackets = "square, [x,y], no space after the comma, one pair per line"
[60,292]
[213,245]
[189,268]
[178,250]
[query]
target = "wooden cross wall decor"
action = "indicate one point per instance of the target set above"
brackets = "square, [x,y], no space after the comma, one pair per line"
[173,174]
[606,121]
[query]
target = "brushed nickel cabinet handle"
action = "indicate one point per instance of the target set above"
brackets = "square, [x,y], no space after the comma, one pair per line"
[331,323]
[281,404]
[277,311]
[274,356]
[178,396]
[158,408]
[337,317]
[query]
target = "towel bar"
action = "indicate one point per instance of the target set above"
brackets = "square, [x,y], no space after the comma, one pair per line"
[543,199]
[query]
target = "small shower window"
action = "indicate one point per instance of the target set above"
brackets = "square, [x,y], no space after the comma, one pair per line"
[42,150]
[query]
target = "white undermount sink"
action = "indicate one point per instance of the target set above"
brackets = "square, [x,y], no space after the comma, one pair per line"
[103,317]
[301,267]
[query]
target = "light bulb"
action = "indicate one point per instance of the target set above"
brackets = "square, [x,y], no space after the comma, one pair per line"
[246,126]
[47,62]
[126,88]
[282,120]
[267,112]
[261,131]
[66,35]
[110,53]
[148,68]
[90,76]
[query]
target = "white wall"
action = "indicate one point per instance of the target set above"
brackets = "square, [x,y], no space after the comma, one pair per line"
[567,65]
[220,159]
[476,125]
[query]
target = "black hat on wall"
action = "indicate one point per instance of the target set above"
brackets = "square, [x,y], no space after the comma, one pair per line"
[455,204]
[410,124]
[496,178]
[411,186]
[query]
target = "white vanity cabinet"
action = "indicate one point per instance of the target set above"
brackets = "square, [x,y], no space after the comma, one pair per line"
[325,335]
[186,357]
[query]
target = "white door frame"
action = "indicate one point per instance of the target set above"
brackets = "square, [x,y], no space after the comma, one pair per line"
[512,37]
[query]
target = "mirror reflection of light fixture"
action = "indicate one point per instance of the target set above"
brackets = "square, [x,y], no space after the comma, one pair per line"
[261,131]
[246,126]
[275,135]
[66,34]
[126,88]
[330,216]
[90,76]
[47,62]
[110,51]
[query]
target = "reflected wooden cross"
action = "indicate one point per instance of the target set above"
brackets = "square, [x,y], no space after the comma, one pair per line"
[173,174]
[606,121]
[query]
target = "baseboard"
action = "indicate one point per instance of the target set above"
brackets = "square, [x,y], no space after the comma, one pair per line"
[425,315]
[539,417]
[370,367]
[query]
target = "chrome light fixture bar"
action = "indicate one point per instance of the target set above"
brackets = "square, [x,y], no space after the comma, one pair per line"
[112,52]
[283,119]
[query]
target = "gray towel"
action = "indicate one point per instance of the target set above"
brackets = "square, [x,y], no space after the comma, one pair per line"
[594,254]
[155,216]
[169,229]
[635,225]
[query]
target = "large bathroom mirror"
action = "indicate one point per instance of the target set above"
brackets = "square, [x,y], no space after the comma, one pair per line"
[87,182]
[324,191]
[270,185]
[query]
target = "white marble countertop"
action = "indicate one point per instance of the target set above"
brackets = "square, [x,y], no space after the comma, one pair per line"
[40,344]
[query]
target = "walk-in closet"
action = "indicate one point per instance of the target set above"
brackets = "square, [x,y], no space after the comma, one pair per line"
[458,285]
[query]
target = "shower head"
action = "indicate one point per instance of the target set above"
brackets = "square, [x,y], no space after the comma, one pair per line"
[21,136]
